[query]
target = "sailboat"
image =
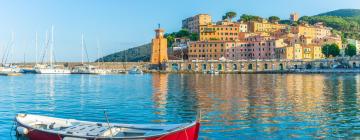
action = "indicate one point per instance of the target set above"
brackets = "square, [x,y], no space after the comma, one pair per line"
[83,68]
[32,70]
[98,70]
[51,68]
[9,69]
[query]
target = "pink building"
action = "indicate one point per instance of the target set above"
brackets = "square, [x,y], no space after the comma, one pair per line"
[255,47]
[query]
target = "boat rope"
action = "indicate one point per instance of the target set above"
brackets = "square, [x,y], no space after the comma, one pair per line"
[108,123]
[12,129]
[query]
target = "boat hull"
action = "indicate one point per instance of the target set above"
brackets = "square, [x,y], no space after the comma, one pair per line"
[53,71]
[190,133]
[187,132]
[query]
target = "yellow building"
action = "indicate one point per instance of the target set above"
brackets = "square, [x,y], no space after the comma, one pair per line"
[226,31]
[265,26]
[299,52]
[159,48]
[312,52]
[193,23]
[304,30]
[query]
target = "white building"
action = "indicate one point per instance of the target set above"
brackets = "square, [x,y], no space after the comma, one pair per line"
[356,43]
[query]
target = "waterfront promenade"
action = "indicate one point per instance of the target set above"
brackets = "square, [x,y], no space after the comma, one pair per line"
[339,65]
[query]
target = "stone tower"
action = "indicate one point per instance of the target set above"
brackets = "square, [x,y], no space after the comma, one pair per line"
[159,48]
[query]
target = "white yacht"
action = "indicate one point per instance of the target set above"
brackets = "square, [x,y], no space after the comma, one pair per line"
[51,68]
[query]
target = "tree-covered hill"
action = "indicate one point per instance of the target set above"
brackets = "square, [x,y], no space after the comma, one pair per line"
[136,54]
[345,20]
[342,13]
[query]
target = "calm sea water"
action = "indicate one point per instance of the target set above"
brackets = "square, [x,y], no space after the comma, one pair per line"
[293,106]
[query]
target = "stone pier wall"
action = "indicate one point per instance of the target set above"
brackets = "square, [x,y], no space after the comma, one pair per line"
[225,66]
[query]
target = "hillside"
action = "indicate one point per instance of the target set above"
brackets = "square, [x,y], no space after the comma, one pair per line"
[342,13]
[140,53]
[347,21]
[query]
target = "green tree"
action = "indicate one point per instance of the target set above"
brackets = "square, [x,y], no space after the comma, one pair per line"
[247,18]
[194,37]
[350,50]
[230,15]
[330,50]
[182,33]
[274,19]
[170,40]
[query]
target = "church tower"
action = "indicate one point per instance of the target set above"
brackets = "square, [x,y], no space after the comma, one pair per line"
[159,48]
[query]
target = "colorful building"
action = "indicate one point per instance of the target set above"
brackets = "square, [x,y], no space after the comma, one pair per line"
[225,31]
[299,52]
[265,26]
[193,23]
[253,47]
[159,48]
[318,31]
[208,50]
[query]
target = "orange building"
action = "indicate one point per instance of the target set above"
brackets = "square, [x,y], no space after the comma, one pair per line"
[208,50]
[159,48]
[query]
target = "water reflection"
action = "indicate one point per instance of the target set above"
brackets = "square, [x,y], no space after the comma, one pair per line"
[263,106]
[288,106]
[160,87]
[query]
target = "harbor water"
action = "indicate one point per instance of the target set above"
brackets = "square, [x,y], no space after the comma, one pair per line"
[247,106]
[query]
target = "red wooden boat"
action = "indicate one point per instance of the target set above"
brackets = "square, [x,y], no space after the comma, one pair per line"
[36,127]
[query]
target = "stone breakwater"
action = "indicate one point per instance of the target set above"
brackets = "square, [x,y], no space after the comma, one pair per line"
[239,66]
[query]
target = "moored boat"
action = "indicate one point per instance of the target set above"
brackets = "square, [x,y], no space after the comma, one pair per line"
[135,70]
[36,127]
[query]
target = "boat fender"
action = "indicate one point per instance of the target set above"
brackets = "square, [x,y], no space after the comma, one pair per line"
[22,130]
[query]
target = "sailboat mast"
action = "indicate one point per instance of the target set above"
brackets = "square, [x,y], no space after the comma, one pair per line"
[51,46]
[98,55]
[36,48]
[82,48]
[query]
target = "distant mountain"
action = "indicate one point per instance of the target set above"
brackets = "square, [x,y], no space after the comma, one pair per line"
[342,13]
[140,53]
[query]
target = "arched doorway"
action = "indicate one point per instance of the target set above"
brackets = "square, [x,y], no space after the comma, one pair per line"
[281,66]
[203,67]
[266,66]
[296,66]
[308,66]
[219,67]
[354,65]
[175,66]
[250,67]
[321,65]
[189,67]
[235,67]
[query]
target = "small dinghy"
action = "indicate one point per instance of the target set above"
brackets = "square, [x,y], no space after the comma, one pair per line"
[36,127]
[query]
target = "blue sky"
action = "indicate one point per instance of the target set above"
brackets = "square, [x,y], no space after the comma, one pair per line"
[121,24]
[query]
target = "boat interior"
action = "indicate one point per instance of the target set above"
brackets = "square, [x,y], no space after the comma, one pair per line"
[91,129]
